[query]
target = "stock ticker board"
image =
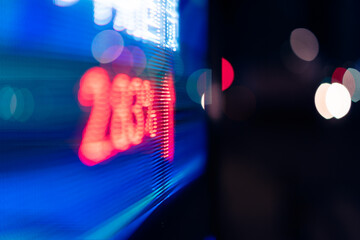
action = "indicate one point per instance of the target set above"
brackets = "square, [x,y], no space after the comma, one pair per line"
[96,128]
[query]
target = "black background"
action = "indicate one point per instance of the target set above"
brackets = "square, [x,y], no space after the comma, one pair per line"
[281,171]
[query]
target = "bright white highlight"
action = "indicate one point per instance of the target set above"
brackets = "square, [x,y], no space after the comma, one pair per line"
[338,100]
[304,44]
[153,20]
[156,21]
[103,11]
[320,103]
[65,3]
[203,101]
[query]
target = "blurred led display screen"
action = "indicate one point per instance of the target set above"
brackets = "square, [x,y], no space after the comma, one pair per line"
[96,126]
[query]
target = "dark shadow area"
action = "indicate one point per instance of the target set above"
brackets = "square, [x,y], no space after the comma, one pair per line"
[184,215]
[283,171]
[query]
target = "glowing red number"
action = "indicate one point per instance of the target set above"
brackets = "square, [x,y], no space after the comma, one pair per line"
[150,123]
[133,115]
[121,102]
[94,91]
[137,127]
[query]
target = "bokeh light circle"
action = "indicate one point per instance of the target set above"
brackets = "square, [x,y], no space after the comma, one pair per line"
[7,102]
[338,100]
[139,60]
[198,83]
[215,108]
[304,44]
[349,82]
[338,75]
[356,75]
[13,103]
[107,46]
[124,63]
[65,3]
[227,74]
[320,100]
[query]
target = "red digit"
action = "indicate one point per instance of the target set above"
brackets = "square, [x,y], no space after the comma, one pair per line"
[121,101]
[151,118]
[94,91]
[137,126]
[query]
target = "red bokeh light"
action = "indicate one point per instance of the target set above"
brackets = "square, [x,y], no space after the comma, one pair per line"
[338,75]
[227,74]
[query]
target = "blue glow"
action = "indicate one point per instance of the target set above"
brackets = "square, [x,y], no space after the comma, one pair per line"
[153,20]
[78,203]
[46,192]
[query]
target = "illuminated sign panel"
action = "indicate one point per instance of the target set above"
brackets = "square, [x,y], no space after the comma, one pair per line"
[126,107]
[153,20]
[124,110]
[102,97]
